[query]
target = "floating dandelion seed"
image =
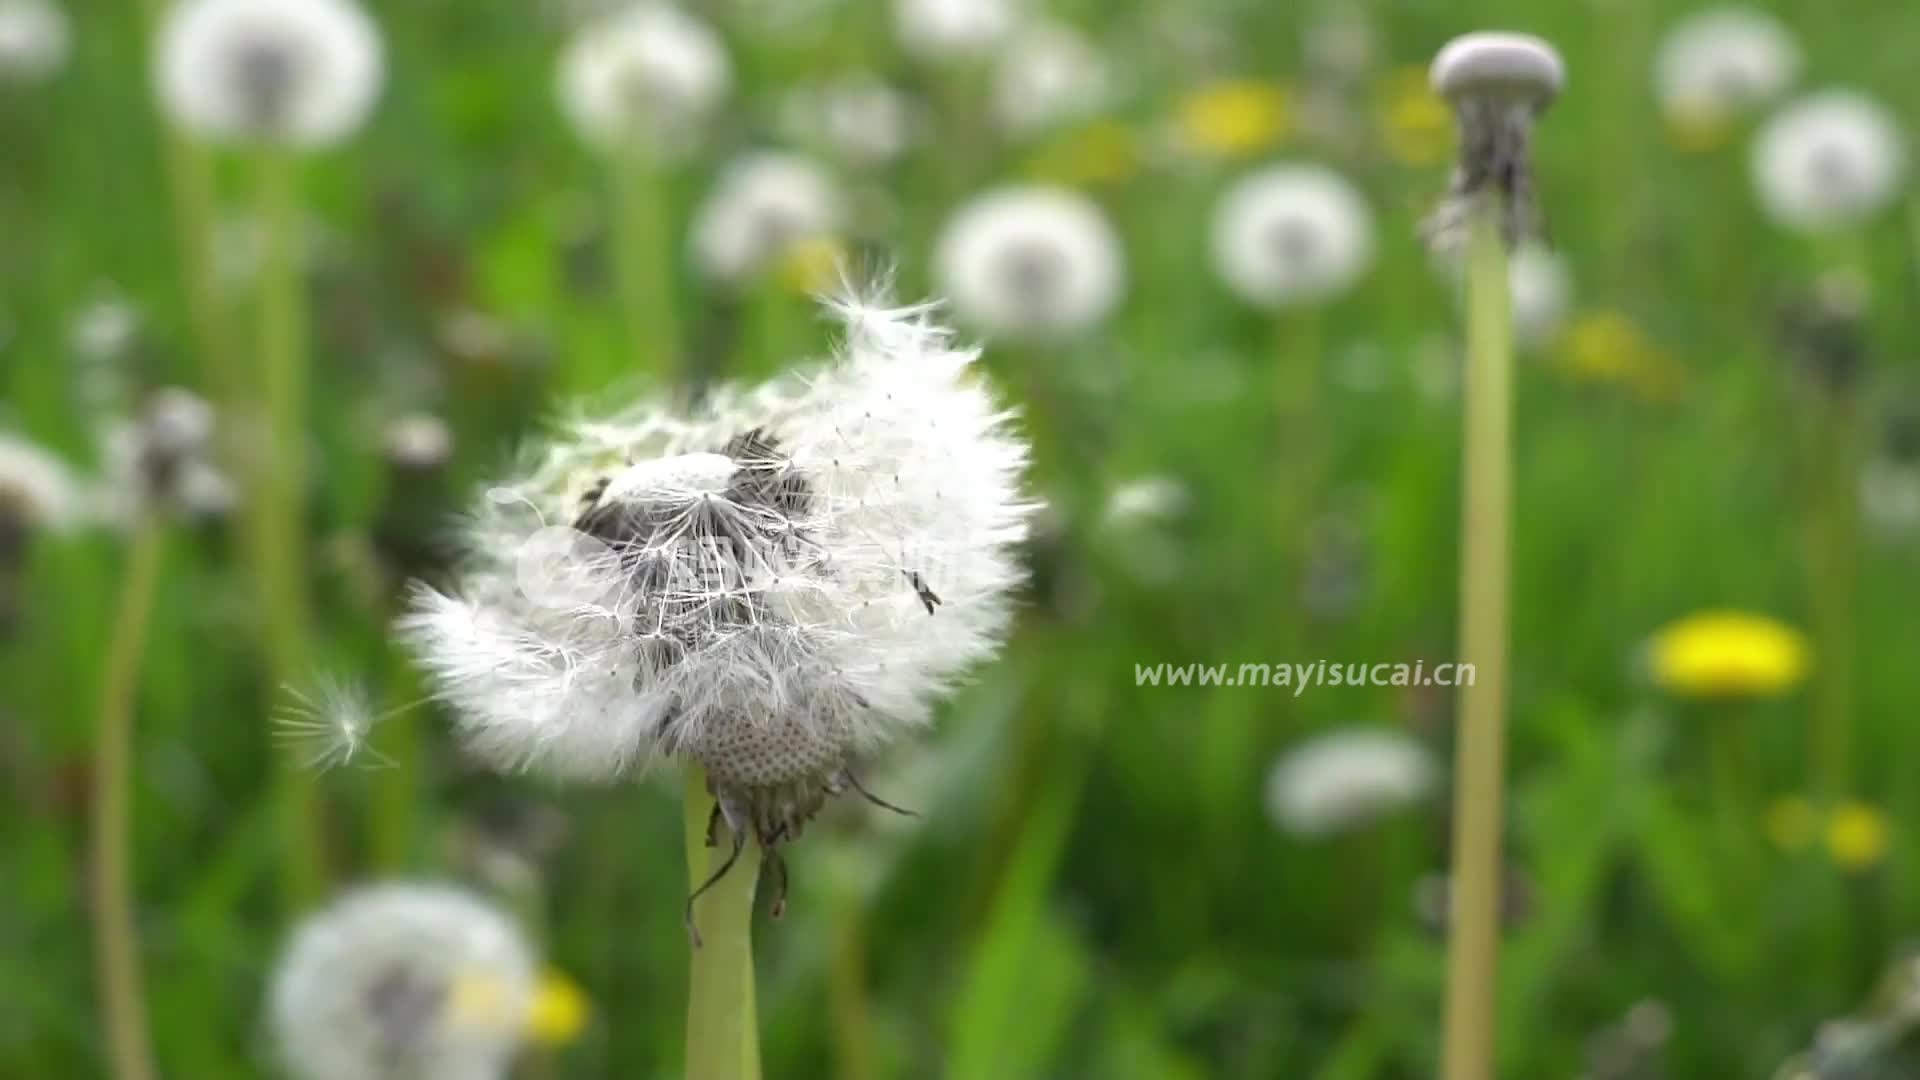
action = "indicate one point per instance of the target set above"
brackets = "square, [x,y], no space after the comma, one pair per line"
[764,207]
[1347,778]
[1499,84]
[301,72]
[1720,63]
[1030,262]
[1828,161]
[650,72]
[411,980]
[34,40]
[330,724]
[1291,235]
[748,587]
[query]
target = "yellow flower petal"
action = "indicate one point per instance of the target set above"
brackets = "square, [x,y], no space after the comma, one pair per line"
[1729,654]
[1234,119]
[1857,836]
[559,1011]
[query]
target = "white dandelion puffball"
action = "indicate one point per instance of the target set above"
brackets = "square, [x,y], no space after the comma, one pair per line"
[1828,160]
[305,73]
[1290,235]
[1723,62]
[1347,778]
[770,587]
[650,72]
[422,981]
[858,118]
[1049,74]
[761,206]
[954,29]
[1030,262]
[34,40]
[1542,289]
[37,489]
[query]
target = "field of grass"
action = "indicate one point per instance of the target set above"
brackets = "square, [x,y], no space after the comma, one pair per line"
[1702,873]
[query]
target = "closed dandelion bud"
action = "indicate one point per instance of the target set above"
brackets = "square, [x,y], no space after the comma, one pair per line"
[1291,236]
[406,982]
[301,73]
[1031,263]
[649,74]
[764,207]
[34,40]
[1828,161]
[771,587]
[1498,84]
[162,460]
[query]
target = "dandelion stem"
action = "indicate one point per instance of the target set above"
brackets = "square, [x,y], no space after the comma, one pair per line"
[276,510]
[1473,943]
[1833,585]
[116,939]
[643,267]
[723,1040]
[397,798]
[852,1011]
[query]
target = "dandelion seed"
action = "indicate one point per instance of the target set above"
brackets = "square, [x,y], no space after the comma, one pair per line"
[1499,84]
[1030,263]
[35,40]
[1347,778]
[745,593]
[305,73]
[763,207]
[1292,235]
[330,724]
[413,980]
[649,73]
[1828,161]
[1718,64]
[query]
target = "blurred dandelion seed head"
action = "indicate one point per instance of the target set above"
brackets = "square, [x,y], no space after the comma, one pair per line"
[162,459]
[1722,63]
[38,490]
[414,980]
[418,442]
[1828,161]
[1049,74]
[303,73]
[1292,235]
[771,586]
[649,75]
[763,207]
[954,30]
[1030,263]
[1347,778]
[857,118]
[35,40]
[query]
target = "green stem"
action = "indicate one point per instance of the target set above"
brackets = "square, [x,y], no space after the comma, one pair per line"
[1834,576]
[277,508]
[116,939]
[643,257]
[1473,943]
[723,1040]
[852,1011]
[398,794]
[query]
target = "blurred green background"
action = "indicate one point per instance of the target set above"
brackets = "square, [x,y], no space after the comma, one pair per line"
[1096,888]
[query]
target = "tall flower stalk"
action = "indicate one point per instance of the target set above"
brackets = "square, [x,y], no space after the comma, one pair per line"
[722,1030]
[1498,84]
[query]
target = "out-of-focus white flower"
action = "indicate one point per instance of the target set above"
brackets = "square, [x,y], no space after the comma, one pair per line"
[772,587]
[104,328]
[1542,292]
[423,981]
[1030,262]
[34,40]
[162,458]
[305,73]
[1890,496]
[762,206]
[648,75]
[37,489]
[1723,62]
[1828,160]
[1049,74]
[1347,778]
[858,118]
[418,442]
[954,29]
[1146,499]
[1290,235]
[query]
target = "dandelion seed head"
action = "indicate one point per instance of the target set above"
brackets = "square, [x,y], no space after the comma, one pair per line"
[1723,62]
[857,118]
[1828,161]
[1049,74]
[1031,263]
[771,585]
[1291,235]
[763,207]
[417,980]
[35,39]
[1347,778]
[418,442]
[1498,66]
[162,458]
[650,72]
[954,29]
[305,73]
[1499,84]
[38,490]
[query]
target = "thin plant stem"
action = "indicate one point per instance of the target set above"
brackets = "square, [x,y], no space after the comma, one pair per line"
[643,260]
[1473,942]
[850,1005]
[1833,585]
[276,511]
[723,1041]
[396,799]
[116,938]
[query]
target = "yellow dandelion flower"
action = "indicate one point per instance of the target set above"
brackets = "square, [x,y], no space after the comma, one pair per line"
[1234,119]
[1856,836]
[1100,154]
[1416,124]
[1608,348]
[1721,654]
[1792,824]
[812,265]
[559,1011]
